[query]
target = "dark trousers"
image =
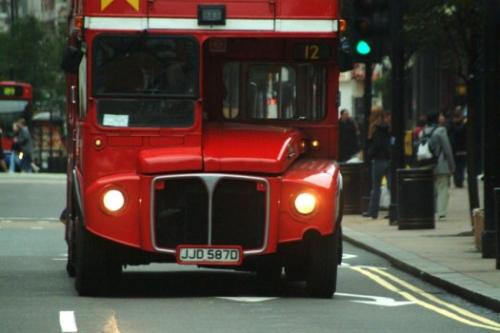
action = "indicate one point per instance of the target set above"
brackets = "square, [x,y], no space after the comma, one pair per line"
[380,168]
[26,163]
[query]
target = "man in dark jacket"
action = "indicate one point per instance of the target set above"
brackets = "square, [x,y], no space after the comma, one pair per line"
[457,135]
[348,137]
[25,142]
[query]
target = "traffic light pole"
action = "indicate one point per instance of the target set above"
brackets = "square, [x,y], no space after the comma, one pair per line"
[491,235]
[367,106]
[397,88]
[367,98]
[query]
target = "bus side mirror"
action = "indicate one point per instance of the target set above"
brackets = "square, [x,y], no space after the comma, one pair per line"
[71,60]
[344,56]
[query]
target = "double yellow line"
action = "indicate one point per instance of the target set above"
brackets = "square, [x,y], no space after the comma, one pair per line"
[424,299]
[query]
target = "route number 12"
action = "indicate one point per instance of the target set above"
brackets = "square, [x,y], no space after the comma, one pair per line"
[311,52]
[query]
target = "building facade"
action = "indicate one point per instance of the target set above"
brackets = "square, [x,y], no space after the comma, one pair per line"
[44,10]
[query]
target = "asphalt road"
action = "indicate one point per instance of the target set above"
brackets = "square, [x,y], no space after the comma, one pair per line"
[36,295]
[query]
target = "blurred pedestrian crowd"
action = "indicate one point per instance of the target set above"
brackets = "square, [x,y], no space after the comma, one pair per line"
[21,149]
[446,133]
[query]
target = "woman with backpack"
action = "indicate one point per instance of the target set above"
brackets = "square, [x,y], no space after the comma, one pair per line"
[379,152]
[444,167]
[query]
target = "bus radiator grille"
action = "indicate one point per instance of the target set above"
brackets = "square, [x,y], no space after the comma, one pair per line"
[181,212]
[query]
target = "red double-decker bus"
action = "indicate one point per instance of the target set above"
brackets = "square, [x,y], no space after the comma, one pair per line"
[16,100]
[204,133]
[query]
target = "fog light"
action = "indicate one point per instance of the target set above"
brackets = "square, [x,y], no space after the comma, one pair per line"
[113,200]
[305,203]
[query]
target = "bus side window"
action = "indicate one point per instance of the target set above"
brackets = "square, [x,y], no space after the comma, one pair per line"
[231,78]
[252,98]
[287,99]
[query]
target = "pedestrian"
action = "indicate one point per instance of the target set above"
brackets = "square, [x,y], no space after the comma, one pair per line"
[457,135]
[14,163]
[443,120]
[3,165]
[379,153]
[421,122]
[23,139]
[445,165]
[348,136]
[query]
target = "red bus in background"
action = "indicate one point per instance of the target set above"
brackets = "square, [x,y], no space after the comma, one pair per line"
[204,133]
[16,101]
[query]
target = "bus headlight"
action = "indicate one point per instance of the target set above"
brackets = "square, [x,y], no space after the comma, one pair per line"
[305,203]
[113,200]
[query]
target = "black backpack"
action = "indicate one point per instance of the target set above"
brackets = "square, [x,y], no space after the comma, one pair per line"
[425,154]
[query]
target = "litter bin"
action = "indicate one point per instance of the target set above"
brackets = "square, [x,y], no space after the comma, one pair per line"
[415,198]
[352,178]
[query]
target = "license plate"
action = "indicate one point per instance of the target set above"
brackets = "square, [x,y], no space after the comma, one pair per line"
[209,255]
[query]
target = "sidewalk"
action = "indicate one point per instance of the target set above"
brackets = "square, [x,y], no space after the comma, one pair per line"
[445,256]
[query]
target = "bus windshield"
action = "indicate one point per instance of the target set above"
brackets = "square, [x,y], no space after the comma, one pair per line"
[145,81]
[143,65]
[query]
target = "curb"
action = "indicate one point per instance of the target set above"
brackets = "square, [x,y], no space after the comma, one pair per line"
[30,177]
[470,289]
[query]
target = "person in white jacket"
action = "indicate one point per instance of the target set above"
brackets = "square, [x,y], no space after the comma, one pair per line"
[445,166]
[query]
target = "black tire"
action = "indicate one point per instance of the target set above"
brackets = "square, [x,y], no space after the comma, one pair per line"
[70,240]
[295,273]
[341,246]
[322,265]
[70,269]
[339,228]
[71,243]
[96,274]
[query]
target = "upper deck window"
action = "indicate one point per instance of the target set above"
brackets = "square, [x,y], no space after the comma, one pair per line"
[145,65]
[274,91]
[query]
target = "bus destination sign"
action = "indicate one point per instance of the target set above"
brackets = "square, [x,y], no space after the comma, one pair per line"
[11,91]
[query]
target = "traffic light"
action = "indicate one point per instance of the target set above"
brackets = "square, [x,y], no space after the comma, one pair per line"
[370,28]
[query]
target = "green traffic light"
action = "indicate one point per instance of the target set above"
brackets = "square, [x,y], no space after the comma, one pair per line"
[363,48]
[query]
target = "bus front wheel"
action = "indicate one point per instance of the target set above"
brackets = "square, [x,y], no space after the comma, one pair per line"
[322,265]
[96,274]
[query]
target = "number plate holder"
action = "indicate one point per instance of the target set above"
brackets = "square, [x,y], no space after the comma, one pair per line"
[213,255]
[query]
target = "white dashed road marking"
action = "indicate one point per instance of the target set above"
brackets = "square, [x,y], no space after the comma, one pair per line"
[67,321]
